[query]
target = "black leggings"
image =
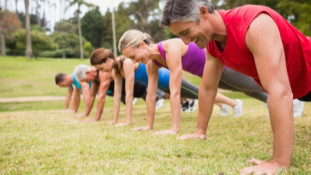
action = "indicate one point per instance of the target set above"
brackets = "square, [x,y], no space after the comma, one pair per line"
[188,90]
[306,97]
[140,91]
[235,81]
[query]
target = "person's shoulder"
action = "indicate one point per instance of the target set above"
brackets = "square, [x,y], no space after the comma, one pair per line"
[173,43]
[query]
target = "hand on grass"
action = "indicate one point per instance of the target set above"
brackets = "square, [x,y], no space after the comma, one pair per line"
[80,116]
[111,122]
[146,128]
[262,167]
[90,120]
[165,132]
[67,111]
[122,124]
[193,136]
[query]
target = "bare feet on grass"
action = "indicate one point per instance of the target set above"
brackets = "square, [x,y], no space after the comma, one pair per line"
[166,132]
[262,167]
[193,136]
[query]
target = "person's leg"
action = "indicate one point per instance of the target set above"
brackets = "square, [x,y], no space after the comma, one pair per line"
[235,81]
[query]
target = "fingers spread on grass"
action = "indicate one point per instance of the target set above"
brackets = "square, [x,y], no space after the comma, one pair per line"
[192,136]
[165,132]
[141,129]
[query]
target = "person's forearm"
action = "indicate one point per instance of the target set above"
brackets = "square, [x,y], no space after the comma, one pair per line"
[206,103]
[100,107]
[66,104]
[129,107]
[67,100]
[175,110]
[75,104]
[116,107]
[89,106]
[282,122]
[150,103]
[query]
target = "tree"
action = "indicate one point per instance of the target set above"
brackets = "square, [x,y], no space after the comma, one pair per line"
[28,51]
[92,27]
[297,13]
[65,27]
[40,41]
[107,31]
[144,13]
[80,3]
[9,23]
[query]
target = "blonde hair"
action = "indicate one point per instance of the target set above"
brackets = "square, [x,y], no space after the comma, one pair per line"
[133,38]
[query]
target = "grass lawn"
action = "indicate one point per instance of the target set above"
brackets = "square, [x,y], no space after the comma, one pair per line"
[22,77]
[51,142]
[37,140]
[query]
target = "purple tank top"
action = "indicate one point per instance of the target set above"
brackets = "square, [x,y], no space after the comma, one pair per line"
[193,61]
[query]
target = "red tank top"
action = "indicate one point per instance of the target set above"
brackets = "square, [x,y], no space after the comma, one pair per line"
[237,56]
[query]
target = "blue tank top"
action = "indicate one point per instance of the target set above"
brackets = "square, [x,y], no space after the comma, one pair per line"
[142,77]
[76,82]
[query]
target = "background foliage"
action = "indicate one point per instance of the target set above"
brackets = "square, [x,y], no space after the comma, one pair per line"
[139,14]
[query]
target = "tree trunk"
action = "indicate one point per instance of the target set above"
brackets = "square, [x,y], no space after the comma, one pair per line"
[28,52]
[2,43]
[80,34]
[5,4]
[16,11]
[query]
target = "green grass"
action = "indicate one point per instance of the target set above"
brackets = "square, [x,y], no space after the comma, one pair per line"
[22,77]
[37,140]
[51,142]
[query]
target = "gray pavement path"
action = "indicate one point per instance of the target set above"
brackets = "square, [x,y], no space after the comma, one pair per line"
[27,99]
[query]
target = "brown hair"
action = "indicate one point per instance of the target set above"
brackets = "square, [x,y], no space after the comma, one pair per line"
[100,55]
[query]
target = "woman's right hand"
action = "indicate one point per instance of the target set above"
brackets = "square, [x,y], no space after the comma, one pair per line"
[146,128]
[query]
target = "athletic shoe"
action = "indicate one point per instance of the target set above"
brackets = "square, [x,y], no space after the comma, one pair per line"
[192,105]
[159,103]
[184,105]
[298,107]
[238,108]
[134,100]
[224,110]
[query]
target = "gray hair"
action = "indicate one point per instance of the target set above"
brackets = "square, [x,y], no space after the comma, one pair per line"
[80,71]
[183,11]
[133,38]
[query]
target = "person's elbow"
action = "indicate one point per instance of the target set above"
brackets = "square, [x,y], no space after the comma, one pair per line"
[101,97]
[175,93]
[129,95]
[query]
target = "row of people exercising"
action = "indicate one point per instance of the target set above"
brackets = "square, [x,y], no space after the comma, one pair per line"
[191,60]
